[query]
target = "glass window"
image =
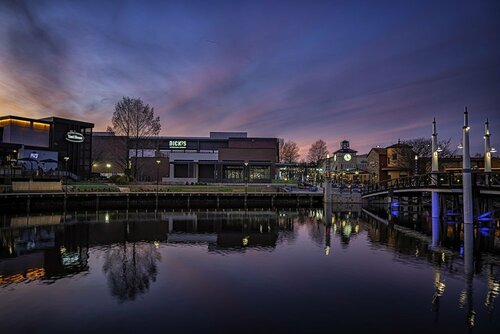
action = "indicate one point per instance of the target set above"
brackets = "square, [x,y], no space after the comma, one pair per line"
[260,173]
[233,172]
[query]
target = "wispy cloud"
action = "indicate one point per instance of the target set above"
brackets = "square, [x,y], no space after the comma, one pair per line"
[370,74]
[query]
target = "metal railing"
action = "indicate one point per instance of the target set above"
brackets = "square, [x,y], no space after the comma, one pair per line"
[36,174]
[447,180]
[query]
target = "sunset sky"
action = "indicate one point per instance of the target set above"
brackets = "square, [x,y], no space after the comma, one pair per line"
[367,71]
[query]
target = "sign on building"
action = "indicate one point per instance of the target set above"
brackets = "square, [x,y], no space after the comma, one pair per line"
[177,144]
[75,137]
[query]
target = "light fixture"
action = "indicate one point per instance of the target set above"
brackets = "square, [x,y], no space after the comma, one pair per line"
[158,161]
[66,158]
[493,150]
[460,146]
[439,149]
[108,165]
[416,157]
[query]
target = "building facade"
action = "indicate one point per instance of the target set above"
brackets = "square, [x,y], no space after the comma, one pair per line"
[42,144]
[223,157]
[377,162]
[346,166]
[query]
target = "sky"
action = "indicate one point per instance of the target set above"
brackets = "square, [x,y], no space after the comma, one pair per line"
[371,72]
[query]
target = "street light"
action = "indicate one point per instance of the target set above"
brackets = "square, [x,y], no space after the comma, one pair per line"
[416,164]
[245,176]
[66,158]
[66,170]
[157,180]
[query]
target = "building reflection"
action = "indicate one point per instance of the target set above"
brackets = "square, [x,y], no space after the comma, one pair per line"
[49,247]
[449,252]
[43,252]
[231,231]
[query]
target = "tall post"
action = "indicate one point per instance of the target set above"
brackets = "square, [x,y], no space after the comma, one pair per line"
[487,153]
[66,185]
[487,148]
[245,176]
[327,194]
[435,169]
[467,199]
[157,180]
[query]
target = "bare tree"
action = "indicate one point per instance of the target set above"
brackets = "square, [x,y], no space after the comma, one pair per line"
[289,151]
[317,152]
[423,147]
[134,120]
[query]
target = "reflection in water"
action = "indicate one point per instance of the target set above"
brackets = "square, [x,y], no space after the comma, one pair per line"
[133,247]
[439,288]
[129,269]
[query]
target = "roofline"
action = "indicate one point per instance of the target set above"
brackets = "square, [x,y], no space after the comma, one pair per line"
[68,120]
[99,134]
[24,119]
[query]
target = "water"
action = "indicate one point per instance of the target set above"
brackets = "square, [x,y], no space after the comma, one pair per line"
[243,271]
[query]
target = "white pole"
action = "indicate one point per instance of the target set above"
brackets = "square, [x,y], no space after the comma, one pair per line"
[435,170]
[435,162]
[467,198]
[487,148]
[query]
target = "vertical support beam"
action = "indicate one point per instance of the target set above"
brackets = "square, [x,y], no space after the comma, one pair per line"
[487,148]
[487,153]
[435,169]
[435,232]
[467,198]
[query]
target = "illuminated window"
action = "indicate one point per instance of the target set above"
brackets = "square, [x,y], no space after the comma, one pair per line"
[260,173]
[233,172]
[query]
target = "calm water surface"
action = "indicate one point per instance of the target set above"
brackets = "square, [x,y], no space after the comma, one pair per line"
[244,271]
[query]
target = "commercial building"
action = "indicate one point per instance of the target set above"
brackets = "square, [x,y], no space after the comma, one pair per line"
[41,145]
[223,157]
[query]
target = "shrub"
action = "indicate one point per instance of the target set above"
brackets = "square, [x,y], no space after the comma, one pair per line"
[120,179]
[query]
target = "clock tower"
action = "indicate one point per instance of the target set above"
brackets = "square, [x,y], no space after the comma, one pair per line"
[345,158]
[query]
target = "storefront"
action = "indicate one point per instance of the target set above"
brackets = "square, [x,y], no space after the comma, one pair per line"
[223,157]
[43,144]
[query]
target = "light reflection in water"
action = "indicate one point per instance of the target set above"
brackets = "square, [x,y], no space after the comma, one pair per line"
[134,246]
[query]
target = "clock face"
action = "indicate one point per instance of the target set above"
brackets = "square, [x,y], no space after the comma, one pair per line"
[347,157]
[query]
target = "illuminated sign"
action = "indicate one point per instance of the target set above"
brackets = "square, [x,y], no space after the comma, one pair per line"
[34,155]
[177,143]
[75,137]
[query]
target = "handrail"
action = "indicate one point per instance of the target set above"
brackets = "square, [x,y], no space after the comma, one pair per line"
[447,180]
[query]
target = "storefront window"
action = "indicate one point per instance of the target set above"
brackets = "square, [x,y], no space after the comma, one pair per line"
[260,173]
[233,172]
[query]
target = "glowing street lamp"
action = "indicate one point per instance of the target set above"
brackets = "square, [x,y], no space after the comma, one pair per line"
[158,161]
[245,175]
[66,158]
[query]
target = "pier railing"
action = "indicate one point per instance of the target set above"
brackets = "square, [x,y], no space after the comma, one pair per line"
[447,180]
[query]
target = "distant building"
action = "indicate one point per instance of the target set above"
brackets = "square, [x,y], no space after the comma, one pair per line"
[377,161]
[346,166]
[392,162]
[223,157]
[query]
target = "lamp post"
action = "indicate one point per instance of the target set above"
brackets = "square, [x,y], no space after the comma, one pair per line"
[245,176]
[435,169]
[416,164]
[487,152]
[467,197]
[66,158]
[157,180]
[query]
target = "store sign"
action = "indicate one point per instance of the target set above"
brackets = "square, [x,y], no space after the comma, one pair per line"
[34,155]
[75,137]
[177,144]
